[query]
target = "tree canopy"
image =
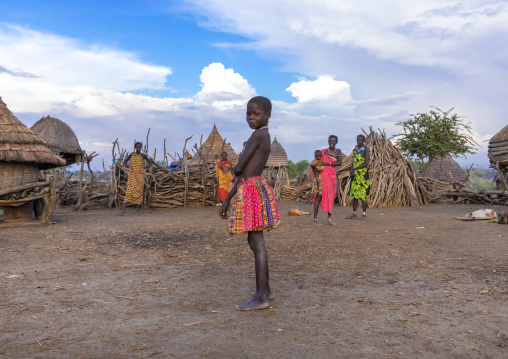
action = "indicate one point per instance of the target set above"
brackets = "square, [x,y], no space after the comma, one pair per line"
[435,134]
[294,169]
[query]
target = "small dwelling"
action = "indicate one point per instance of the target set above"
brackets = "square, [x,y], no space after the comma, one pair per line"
[22,155]
[212,149]
[446,169]
[276,167]
[60,138]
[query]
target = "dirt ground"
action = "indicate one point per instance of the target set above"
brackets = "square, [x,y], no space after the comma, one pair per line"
[408,283]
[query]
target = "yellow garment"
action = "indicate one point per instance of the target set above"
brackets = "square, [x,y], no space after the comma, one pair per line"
[223,179]
[319,165]
[136,181]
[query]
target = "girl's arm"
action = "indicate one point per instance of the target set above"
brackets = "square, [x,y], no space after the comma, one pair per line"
[223,210]
[250,148]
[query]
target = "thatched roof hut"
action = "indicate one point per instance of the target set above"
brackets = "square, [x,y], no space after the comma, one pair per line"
[22,152]
[59,137]
[446,169]
[278,156]
[213,147]
[498,149]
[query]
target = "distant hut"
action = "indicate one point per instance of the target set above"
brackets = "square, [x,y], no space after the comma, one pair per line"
[59,137]
[22,155]
[276,167]
[212,149]
[445,169]
[498,149]
[498,154]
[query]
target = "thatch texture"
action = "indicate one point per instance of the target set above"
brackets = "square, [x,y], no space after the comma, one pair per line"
[446,169]
[278,156]
[19,144]
[59,137]
[212,149]
[498,149]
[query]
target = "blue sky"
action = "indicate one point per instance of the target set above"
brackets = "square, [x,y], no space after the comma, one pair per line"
[113,69]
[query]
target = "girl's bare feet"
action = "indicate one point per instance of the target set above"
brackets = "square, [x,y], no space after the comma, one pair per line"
[253,304]
[353,216]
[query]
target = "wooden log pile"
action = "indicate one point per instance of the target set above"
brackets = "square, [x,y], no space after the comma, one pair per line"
[68,192]
[163,188]
[460,192]
[393,177]
[299,193]
[166,189]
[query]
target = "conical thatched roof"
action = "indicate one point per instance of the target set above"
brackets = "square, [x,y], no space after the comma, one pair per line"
[19,144]
[498,148]
[446,169]
[213,147]
[59,138]
[278,156]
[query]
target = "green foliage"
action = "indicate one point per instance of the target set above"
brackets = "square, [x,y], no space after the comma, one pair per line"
[294,169]
[417,165]
[435,134]
[482,179]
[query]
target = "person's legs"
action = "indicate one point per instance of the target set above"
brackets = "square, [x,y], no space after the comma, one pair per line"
[317,201]
[137,208]
[330,220]
[123,209]
[260,301]
[355,208]
[364,208]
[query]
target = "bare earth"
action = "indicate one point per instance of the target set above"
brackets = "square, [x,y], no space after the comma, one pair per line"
[409,283]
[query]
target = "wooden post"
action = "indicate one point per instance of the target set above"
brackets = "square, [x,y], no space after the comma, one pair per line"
[186,173]
[49,208]
[80,193]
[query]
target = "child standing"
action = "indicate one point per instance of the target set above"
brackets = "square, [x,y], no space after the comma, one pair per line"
[317,177]
[254,208]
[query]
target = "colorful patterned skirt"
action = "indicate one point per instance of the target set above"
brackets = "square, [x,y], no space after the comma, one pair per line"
[318,186]
[253,208]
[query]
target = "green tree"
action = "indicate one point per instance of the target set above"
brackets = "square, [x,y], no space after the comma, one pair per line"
[435,134]
[294,169]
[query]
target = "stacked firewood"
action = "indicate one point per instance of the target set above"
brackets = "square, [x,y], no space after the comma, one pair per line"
[166,189]
[68,192]
[460,192]
[300,193]
[393,179]
[392,176]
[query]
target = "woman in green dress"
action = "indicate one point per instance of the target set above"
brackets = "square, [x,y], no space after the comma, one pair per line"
[360,179]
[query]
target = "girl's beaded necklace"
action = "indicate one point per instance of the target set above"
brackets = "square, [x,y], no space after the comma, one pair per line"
[262,128]
[334,153]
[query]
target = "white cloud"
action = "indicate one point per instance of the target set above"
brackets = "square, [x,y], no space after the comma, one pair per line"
[223,88]
[41,71]
[323,96]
